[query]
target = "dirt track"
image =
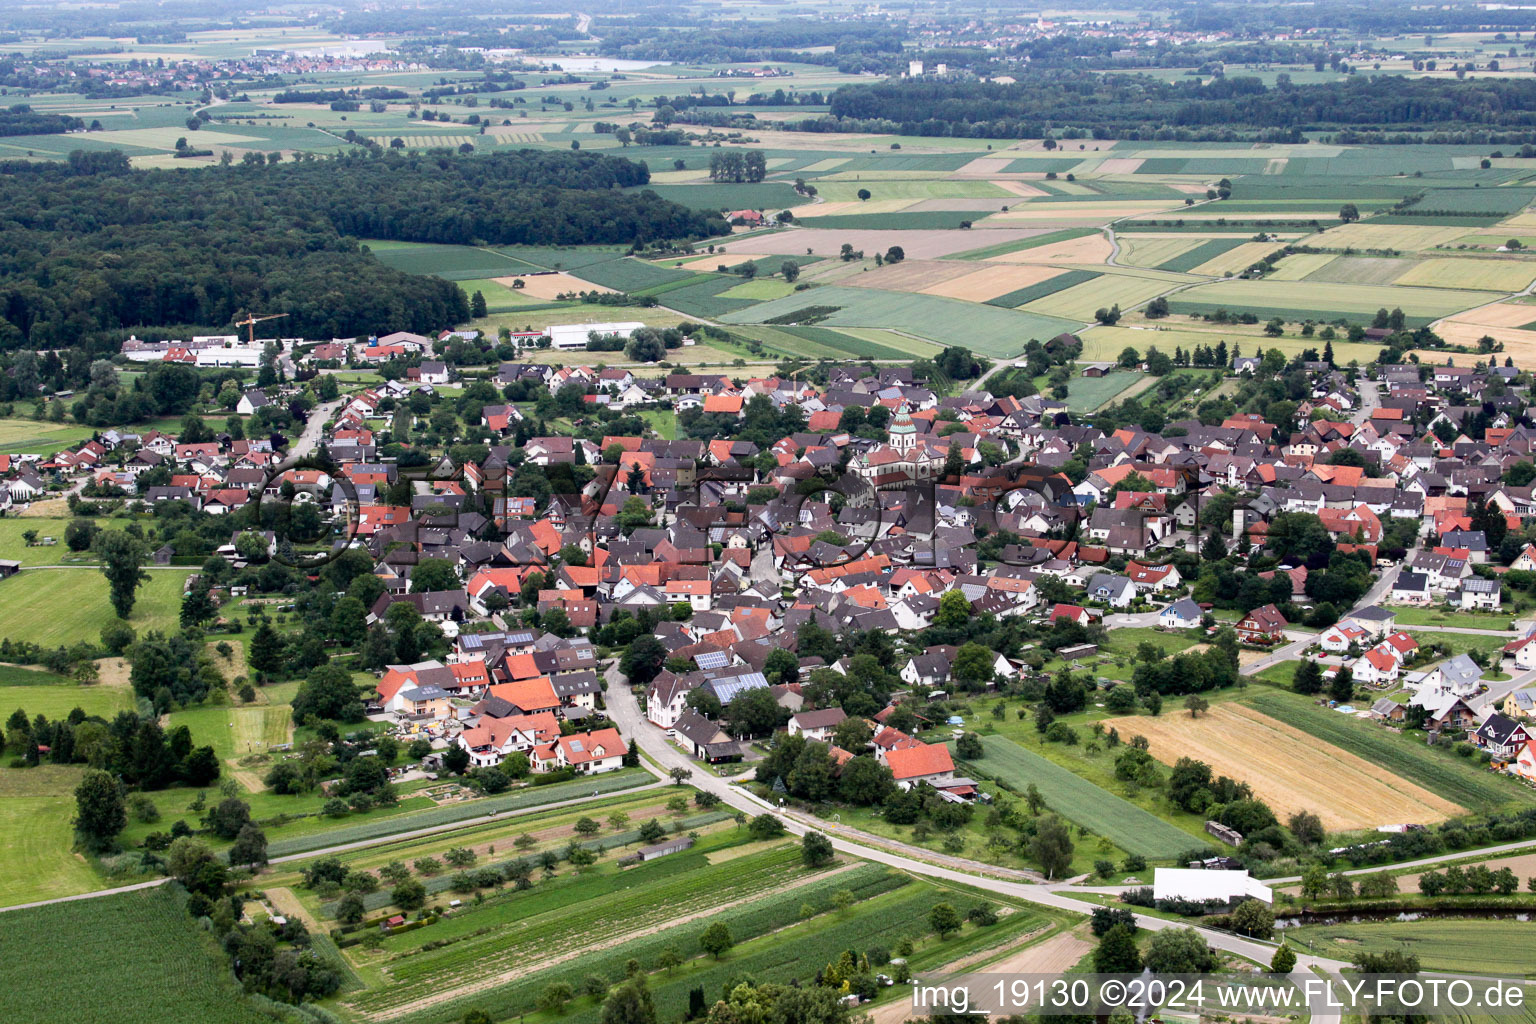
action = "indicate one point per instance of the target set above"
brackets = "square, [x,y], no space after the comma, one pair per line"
[1053,956]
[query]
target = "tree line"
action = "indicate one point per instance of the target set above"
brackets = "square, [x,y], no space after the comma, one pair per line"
[93,247]
[1110,106]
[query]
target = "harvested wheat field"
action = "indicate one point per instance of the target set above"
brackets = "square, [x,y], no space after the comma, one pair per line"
[984,165]
[911,275]
[549,286]
[990,282]
[1288,769]
[1389,236]
[1120,165]
[1518,345]
[1088,249]
[1498,314]
[1019,188]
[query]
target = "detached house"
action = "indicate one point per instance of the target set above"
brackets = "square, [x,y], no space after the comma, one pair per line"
[1264,625]
[591,753]
[1182,614]
[817,725]
[922,762]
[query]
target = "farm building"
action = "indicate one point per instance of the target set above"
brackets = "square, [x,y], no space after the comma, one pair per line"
[1199,885]
[574,336]
[655,850]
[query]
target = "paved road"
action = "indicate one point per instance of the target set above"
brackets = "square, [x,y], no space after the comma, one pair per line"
[625,712]
[309,439]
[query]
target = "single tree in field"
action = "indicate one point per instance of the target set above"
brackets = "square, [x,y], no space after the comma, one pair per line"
[630,1003]
[790,270]
[716,939]
[1196,704]
[122,563]
[1349,212]
[863,194]
[99,812]
[680,775]
[1051,846]
[944,920]
[816,849]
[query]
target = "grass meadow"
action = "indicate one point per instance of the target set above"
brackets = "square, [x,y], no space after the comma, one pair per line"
[61,606]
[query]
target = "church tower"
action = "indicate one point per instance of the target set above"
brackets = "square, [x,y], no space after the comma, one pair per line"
[903,431]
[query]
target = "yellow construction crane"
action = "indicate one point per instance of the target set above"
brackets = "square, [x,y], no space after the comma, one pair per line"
[252,320]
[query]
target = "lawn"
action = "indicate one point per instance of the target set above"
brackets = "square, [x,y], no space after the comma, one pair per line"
[234,732]
[1440,615]
[58,700]
[662,421]
[1463,946]
[1405,754]
[14,546]
[36,811]
[1128,826]
[138,958]
[34,437]
[62,606]
[1085,394]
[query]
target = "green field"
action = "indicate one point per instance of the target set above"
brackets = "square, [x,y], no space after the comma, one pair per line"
[761,896]
[145,959]
[1462,946]
[13,546]
[1110,289]
[58,700]
[36,811]
[1192,258]
[1127,826]
[630,275]
[1405,754]
[34,437]
[1085,394]
[907,188]
[62,606]
[1050,286]
[234,732]
[985,329]
[498,297]
[1033,242]
[454,262]
[1307,299]
[1444,616]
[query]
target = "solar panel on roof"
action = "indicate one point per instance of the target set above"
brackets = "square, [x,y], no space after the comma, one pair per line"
[576,746]
[712,659]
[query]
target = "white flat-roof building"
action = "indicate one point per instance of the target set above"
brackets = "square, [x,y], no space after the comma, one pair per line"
[574,336]
[1199,884]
